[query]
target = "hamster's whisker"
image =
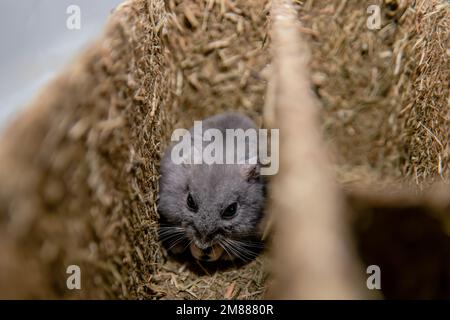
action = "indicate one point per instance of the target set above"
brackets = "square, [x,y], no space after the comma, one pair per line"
[228,247]
[170,231]
[237,250]
[250,244]
[224,247]
[167,226]
[243,248]
[165,229]
[167,232]
[188,244]
[248,249]
[171,237]
[176,242]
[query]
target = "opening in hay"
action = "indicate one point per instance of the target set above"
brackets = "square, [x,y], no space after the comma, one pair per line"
[87,150]
[91,145]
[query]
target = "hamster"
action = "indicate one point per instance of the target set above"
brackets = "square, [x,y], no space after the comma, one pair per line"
[213,210]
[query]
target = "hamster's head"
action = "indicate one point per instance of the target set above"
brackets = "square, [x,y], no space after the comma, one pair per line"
[214,210]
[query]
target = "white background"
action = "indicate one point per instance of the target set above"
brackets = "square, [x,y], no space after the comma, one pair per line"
[36,44]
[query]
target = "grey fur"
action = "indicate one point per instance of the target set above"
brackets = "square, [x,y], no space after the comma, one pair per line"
[213,187]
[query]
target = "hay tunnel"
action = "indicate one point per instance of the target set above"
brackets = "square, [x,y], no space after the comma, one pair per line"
[79,167]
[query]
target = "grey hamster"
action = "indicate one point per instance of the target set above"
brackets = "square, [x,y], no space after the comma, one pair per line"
[212,210]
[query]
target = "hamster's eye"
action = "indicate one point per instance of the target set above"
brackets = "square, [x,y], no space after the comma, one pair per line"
[230,211]
[191,203]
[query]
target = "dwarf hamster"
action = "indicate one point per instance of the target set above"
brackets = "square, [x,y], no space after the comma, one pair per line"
[214,210]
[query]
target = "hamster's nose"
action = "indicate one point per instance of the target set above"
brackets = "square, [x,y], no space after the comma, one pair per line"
[205,254]
[202,234]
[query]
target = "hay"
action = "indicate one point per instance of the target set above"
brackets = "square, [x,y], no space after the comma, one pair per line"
[216,53]
[384,92]
[79,167]
[91,143]
[87,162]
[310,232]
[385,115]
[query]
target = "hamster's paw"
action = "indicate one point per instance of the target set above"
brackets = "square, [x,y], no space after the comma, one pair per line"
[210,254]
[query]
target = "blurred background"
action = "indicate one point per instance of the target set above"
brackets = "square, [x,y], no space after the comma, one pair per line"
[36,43]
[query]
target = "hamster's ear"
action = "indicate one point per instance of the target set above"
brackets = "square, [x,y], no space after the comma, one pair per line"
[250,171]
